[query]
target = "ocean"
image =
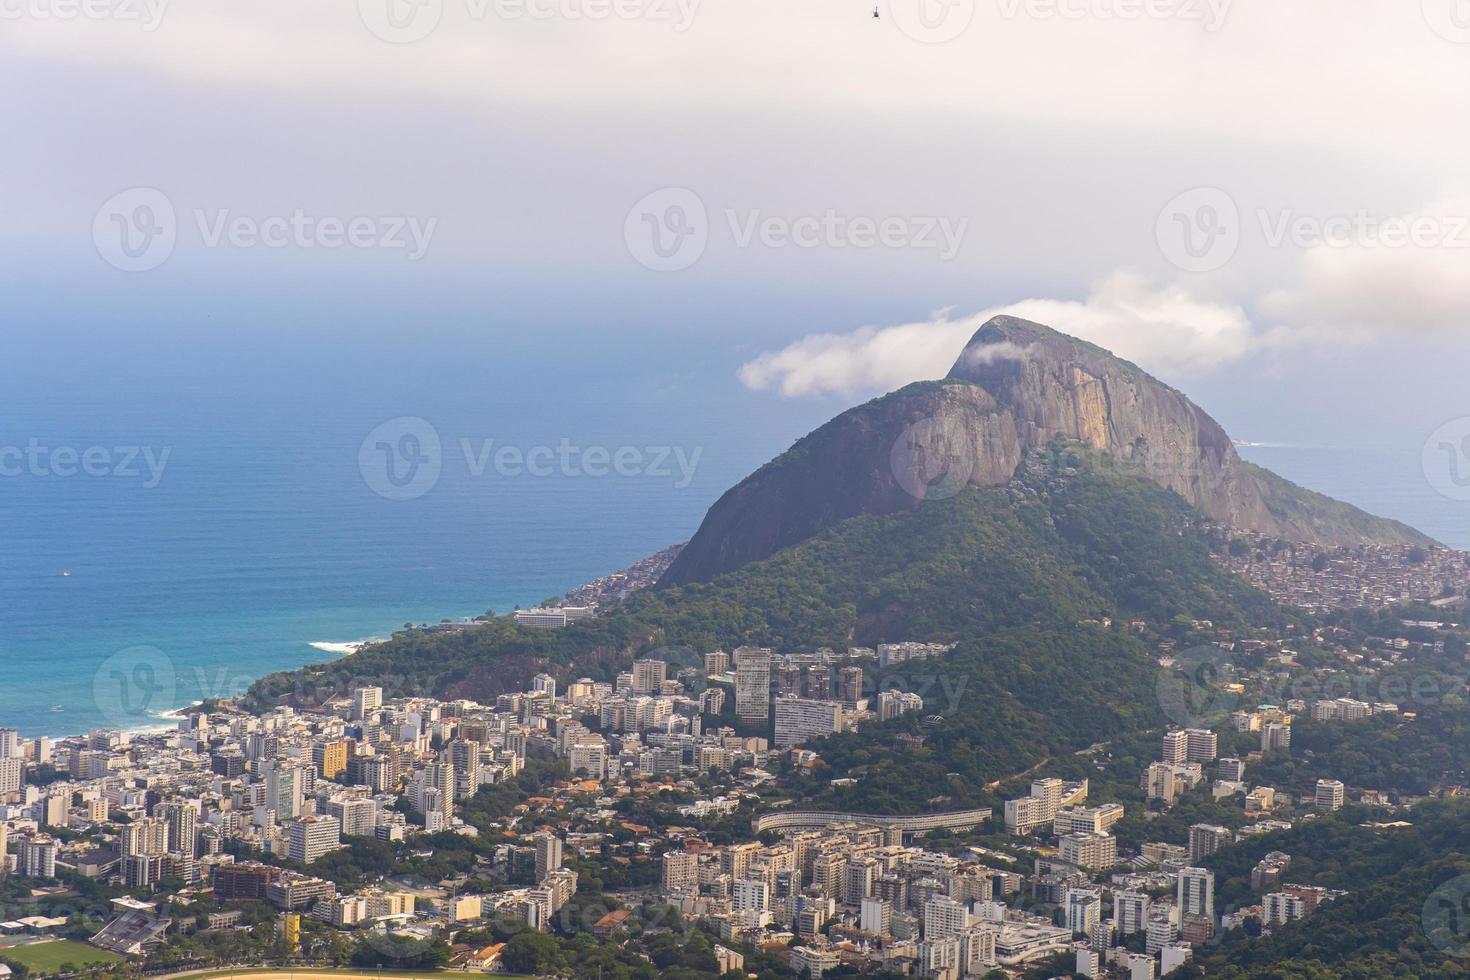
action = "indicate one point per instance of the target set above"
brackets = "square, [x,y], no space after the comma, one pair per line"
[158,550]
[274,537]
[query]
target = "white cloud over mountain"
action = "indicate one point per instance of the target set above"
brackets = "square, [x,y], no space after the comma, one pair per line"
[1164,329]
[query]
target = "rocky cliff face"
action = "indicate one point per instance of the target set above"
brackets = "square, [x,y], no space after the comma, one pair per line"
[1017,386]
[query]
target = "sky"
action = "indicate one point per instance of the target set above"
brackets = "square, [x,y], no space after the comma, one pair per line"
[801,202]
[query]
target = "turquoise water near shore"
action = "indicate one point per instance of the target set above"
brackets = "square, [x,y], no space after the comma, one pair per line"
[263,535]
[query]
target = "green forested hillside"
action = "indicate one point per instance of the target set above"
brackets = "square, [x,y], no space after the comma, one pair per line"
[1008,573]
[1379,929]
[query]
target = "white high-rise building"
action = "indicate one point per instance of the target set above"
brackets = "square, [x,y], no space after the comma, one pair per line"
[1130,912]
[366,700]
[1329,794]
[1084,910]
[548,854]
[311,837]
[751,895]
[753,684]
[877,917]
[544,684]
[801,720]
[1197,893]
[944,918]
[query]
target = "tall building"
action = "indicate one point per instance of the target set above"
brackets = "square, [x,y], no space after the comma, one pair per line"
[1090,851]
[1231,769]
[285,789]
[358,816]
[439,776]
[1197,893]
[544,684]
[365,701]
[1205,839]
[330,758]
[716,663]
[850,686]
[548,854]
[753,684]
[801,720]
[944,918]
[1130,912]
[649,675]
[891,704]
[311,837]
[1280,908]
[1275,735]
[465,757]
[1176,747]
[1329,794]
[12,774]
[877,917]
[147,836]
[680,871]
[181,820]
[1083,910]
[37,858]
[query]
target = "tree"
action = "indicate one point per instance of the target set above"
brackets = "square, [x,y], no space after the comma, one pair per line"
[532,952]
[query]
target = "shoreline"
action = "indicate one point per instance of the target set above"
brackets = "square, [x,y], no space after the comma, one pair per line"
[168,720]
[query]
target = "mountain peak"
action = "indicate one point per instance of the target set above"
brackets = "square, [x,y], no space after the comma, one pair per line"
[1016,387]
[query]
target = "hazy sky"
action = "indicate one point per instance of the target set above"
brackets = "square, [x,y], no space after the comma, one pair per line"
[1264,202]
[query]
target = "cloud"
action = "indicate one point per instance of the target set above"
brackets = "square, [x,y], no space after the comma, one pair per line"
[1361,275]
[1163,329]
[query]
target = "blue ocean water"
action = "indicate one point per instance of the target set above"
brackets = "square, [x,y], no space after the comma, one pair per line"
[263,535]
[266,531]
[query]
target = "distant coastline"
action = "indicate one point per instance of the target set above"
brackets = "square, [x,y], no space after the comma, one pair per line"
[608,590]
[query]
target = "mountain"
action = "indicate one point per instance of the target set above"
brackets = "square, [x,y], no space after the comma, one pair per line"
[1017,386]
[1019,576]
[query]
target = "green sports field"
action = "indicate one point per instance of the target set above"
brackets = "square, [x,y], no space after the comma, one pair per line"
[43,958]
